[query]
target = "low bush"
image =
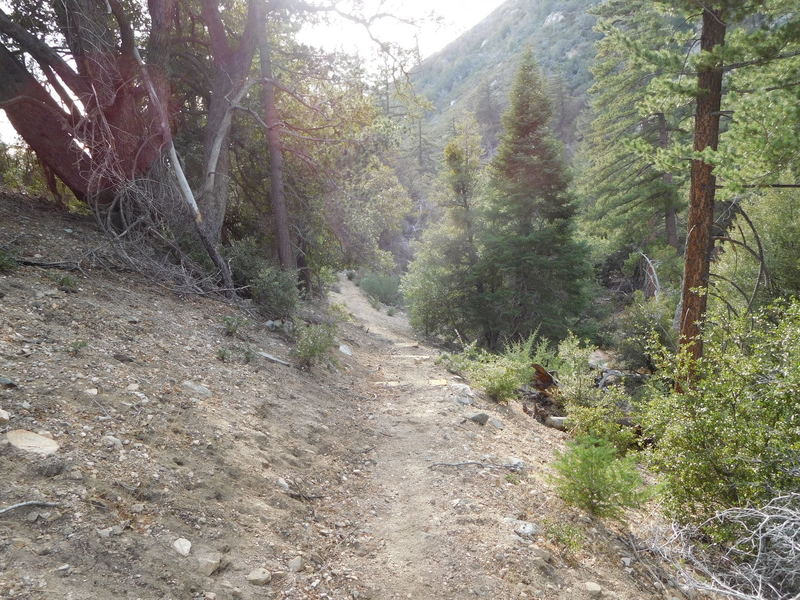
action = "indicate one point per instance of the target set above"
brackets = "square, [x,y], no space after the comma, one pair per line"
[232,324]
[731,437]
[275,292]
[383,288]
[313,343]
[246,260]
[7,262]
[592,477]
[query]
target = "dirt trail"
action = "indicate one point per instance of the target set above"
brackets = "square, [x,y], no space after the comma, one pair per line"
[170,427]
[430,531]
[428,527]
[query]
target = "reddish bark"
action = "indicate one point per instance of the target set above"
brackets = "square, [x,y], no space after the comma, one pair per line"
[701,205]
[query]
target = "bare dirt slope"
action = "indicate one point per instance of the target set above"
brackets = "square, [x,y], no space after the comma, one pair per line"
[326,480]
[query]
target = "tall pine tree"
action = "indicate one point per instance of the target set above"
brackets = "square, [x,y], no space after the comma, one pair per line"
[534,270]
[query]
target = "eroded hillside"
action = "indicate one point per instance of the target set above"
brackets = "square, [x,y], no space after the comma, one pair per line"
[174,474]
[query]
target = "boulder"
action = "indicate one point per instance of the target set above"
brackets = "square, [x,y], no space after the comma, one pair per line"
[259,576]
[28,441]
[197,389]
[182,546]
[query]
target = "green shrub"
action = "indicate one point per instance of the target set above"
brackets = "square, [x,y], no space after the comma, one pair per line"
[631,330]
[568,537]
[67,283]
[223,354]
[383,288]
[246,259]
[591,411]
[232,324]
[275,292]
[500,375]
[732,437]
[7,262]
[602,420]
[76,346]
[313,343]
[592,477]
[248,355]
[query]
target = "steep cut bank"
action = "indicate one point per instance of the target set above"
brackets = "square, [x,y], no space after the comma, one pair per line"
[173,474]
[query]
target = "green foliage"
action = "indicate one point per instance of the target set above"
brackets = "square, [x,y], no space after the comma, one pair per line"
[223,354]
[275,291]
[602,419]
[75,347]
[732,437]
[590,411]
[313,343]
[246,259]
[7,262]
[501,375]
[775,216]
[248,355]
[590,476]
[631,330]
[535,272]
[570,538]
[67,283]
[383,288]
[232,324]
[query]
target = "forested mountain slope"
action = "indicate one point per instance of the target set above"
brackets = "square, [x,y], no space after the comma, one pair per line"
[474,72]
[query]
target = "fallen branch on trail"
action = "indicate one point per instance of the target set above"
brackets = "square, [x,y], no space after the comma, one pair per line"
[482,465]
[24,504]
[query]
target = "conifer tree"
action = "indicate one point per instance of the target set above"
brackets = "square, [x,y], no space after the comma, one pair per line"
[534,271]
[442,287]
[628,201]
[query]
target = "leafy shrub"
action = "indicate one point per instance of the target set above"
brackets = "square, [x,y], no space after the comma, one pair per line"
[732,437]
[76,346]
[566,535]
[501,375]
[631,330]
[7,262]
[275,291]
[246,259]
[232,324]
[67,283]
[313,343]
[383,288]
[223,354]
[591,477]
[603,420]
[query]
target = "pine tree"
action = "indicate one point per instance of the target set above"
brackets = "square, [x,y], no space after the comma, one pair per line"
[442,288]
[534,270]
[628,201]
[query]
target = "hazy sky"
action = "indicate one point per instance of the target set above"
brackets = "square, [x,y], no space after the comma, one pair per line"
[454,17]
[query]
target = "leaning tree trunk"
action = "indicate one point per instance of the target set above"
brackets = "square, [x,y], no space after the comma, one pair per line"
[280,213]
[703,187]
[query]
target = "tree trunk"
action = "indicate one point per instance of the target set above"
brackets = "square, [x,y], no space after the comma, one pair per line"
[280,213]
[670,214]
[41,122]
[701,204]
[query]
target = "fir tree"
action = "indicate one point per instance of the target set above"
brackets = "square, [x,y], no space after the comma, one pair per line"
[533,268]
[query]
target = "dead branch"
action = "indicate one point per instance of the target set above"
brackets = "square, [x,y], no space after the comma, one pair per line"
[482,465]
[24,504]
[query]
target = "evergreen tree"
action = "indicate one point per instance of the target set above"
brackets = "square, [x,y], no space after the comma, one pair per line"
[534,271]
[442,287]
[628,202]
